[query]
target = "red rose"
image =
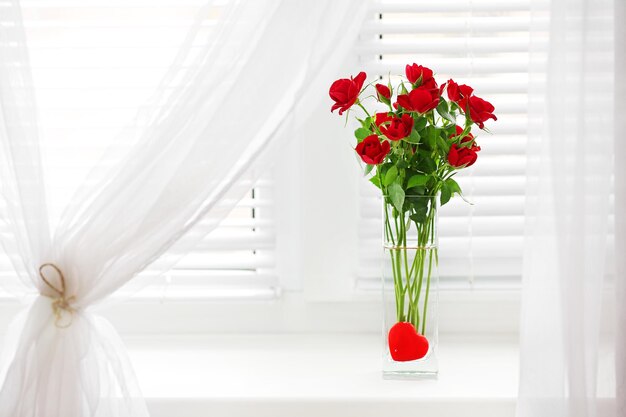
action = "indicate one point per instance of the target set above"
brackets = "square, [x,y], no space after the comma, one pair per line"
[394,128]
[459,93]
[372,151]
[463,156]
[384,94]
[480,111]
[414,72]
[345,92]
[420,100]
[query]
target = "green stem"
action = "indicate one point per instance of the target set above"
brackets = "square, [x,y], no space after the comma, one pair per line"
[397,287]
[425,235]
[412,279]
[358,102]
[396,265]
[397,283]
[430,267]
[422,240]
[404,250]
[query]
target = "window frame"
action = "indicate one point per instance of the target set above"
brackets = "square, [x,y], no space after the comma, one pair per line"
[316,186]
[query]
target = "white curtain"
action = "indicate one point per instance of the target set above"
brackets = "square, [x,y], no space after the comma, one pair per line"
[243,95]
[620,210]
[571,361]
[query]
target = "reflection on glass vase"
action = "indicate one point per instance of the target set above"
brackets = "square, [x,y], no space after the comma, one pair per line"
[410,288]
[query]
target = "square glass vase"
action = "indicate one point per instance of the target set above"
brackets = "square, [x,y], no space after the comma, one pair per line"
[410,285]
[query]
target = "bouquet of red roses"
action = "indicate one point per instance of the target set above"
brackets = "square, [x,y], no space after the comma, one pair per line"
[412,150]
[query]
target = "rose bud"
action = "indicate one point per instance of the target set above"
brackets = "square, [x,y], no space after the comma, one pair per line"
[414,72]
[345,92]
[384,93]
[480,111]
[372,151]
[394,128]
[420,100]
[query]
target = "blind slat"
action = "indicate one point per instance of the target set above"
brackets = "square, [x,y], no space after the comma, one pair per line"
[451,6]
[454,25]
[445,45]
[513,64]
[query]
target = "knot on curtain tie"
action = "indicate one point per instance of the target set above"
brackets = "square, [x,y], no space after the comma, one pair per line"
[61,303]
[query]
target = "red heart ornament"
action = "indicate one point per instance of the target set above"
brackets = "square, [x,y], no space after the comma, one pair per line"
[405,344]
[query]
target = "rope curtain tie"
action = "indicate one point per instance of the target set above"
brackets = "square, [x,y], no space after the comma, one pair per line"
[61,302]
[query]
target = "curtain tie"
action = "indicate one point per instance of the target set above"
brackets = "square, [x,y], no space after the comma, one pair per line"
[60,301]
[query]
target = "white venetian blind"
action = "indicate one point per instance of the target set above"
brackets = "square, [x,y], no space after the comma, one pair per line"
[485,44]
[94,64]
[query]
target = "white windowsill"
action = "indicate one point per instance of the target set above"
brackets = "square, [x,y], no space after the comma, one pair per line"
[319,375]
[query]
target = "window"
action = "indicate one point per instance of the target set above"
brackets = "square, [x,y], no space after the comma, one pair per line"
[93,67]
[485,44]
[310,228]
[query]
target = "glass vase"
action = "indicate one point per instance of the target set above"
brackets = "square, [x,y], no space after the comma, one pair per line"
[410,287]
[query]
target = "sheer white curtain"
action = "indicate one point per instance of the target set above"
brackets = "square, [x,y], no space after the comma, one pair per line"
[620,212]
[569,354]
[239,98]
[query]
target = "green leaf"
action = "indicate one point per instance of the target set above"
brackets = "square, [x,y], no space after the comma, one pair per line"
[375,180]
[382,168]
[417,190]
[414,137]
[427,164]
[365,123]
[420,209]
[361,133]
[443,144]
[442,105]
[431,136]
[453,186]
[396,194]
[420,124]
[446,194]
[390,176]
[414,160]
[368,169]
[416,180]
[419,216]
[450,130]
[442,109]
